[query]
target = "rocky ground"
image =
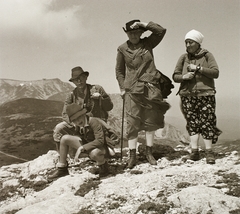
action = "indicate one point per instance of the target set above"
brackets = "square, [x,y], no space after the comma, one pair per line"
[175,186]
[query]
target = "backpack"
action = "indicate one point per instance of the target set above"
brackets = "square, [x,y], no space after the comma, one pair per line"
[166,85]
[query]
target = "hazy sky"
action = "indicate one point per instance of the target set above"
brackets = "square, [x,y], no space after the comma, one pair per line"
[45,38]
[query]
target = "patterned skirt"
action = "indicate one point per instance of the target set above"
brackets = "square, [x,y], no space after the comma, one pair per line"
[199,112]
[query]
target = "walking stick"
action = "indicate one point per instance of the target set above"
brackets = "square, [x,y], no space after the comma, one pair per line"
[122,127]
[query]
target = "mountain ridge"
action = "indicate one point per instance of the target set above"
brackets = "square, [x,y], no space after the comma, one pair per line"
[39,89]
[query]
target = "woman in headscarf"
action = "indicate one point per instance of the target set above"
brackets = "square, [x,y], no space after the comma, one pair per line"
[138,80]
[196,71]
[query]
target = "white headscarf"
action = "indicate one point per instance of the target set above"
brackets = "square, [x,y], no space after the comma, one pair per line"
[195,36]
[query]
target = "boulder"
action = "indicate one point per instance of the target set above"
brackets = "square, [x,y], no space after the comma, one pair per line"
[203,199]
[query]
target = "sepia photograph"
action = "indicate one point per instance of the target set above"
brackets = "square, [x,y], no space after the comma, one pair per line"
[120,107]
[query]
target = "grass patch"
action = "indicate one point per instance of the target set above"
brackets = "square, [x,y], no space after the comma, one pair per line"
[36,186]
[9,191]
[12,212]
[235,211]
[117,202]
[231,181]
[136,172]
[153,208]
[87,187]
[182,185]
[85,211]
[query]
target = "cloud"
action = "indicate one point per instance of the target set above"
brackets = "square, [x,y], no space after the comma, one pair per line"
[38,18]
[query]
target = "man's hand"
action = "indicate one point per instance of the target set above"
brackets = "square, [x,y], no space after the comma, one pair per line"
[136,25]
[96,95]
[78,152]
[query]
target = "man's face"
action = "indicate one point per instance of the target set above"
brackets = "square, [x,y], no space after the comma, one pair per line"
[81,81]
[80,121]
[134,36]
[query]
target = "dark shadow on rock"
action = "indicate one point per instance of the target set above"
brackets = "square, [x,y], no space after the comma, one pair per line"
[228,181]
[160,151]
[116,166]
[87,187]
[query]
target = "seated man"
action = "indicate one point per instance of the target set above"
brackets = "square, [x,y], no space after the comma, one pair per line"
[91,97]
[88,137]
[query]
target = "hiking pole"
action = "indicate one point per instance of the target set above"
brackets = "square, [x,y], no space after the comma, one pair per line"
[122,126]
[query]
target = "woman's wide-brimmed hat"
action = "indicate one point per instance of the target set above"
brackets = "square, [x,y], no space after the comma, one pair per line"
[76,72]
[74,111]
[128,26]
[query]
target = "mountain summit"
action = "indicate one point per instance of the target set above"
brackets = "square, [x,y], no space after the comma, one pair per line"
[173,186]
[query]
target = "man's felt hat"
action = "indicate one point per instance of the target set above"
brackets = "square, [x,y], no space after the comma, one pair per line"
[76,72]
[74,111]
[128,26]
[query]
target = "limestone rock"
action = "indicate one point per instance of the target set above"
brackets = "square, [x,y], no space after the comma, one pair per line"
[172,186]
[203,199]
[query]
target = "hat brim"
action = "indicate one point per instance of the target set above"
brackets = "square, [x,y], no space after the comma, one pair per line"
[78,114]
[85,73]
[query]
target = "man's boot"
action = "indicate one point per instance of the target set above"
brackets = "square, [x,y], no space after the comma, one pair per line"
[194,155]
[59,172]
[210,156]
[132,160]
[149,156]
[103,170]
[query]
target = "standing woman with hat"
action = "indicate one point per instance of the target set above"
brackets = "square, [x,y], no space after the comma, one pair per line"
[196,71]
[92,97]
[137,77]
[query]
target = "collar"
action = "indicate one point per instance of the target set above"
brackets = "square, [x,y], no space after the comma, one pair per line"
[86,124]
[199,54]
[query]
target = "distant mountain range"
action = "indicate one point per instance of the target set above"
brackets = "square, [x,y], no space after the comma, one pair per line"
[53,89]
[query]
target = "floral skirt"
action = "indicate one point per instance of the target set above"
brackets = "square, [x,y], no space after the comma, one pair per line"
[199,113]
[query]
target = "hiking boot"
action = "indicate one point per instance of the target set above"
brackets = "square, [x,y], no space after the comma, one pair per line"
[132,160]
[210,156]
[94,170]
[59,172]
[104,170]
[194,155]
[149,156]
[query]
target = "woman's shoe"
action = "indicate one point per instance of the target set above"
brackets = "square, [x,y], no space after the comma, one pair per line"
[210,156]
[194,155]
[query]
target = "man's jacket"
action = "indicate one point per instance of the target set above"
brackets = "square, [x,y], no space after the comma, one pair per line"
[95,107]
